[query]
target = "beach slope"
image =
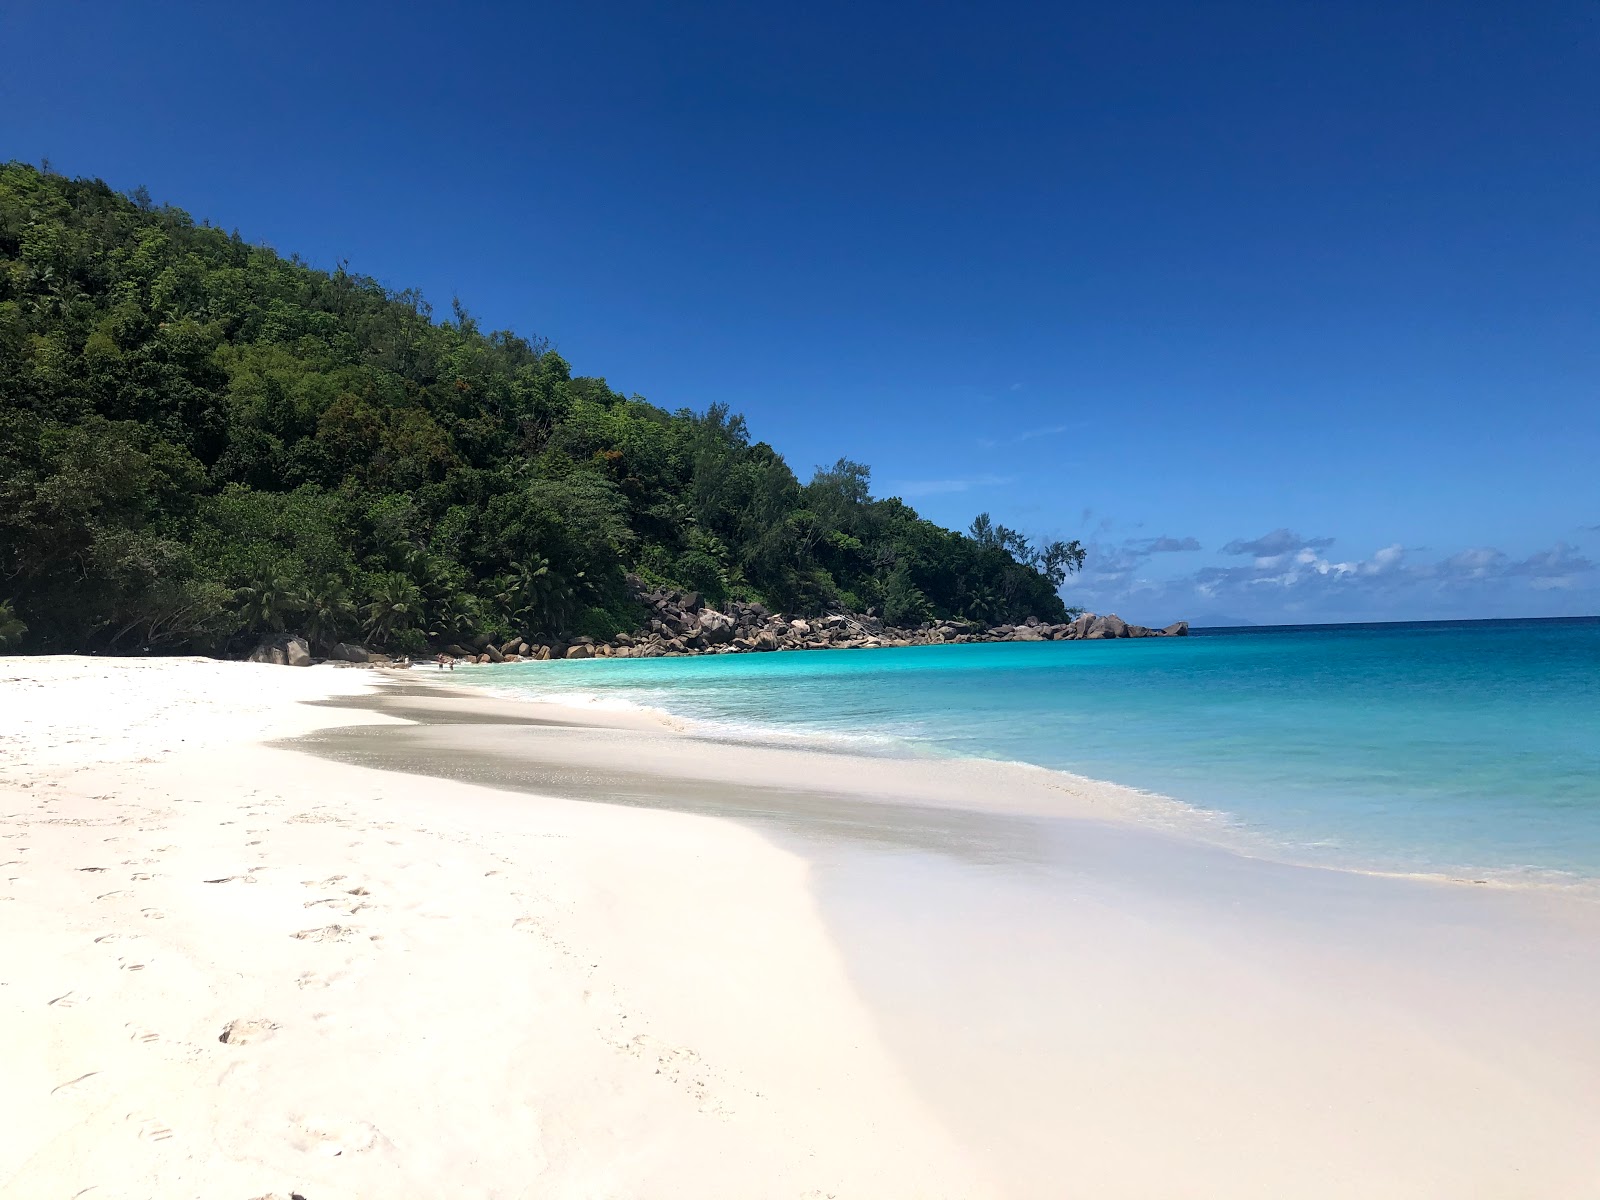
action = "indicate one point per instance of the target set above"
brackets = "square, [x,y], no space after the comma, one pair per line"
[234,970]
[339,933]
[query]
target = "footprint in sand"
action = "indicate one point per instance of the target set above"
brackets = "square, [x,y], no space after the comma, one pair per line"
[136,1034]
[327,933]
[141,876]
[125,965]
[154,914]
[78,1086]
[321,982]
[151,1130]
[343,903]
[335,1138]
[247,1030]
[67,1000]
[677,1063]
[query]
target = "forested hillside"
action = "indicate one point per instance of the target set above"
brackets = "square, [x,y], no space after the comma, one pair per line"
[202,441]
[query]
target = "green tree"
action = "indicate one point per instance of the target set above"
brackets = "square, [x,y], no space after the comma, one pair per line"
[326,610]
[1056,560]
[396,605]
[904,604]
[201,440]
[267,602]
[11,626]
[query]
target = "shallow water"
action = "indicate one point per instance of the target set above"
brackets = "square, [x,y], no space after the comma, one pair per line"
[1440,746]
[1092,1008]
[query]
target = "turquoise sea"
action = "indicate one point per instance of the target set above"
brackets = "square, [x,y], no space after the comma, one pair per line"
[1440,746]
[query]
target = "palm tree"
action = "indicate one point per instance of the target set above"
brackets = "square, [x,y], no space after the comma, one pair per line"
[268,602]
[981,604]
[396,604]
[456,616]
[11,626]
[328,609]
[531,596]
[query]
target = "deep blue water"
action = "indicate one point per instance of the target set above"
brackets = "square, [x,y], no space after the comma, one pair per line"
[1438,746]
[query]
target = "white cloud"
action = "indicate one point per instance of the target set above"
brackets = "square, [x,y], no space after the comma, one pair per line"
[1480,562]
[1028,435]
[1289,579]
[937,487]
[1276,544]
[1561,561]
[1117,562]
[1387,559]
[1170,545]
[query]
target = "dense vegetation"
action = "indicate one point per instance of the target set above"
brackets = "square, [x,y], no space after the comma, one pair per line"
[201,441]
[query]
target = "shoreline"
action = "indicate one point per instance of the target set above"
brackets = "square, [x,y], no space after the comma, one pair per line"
[727,971]
[1141,807]
[1263,1012]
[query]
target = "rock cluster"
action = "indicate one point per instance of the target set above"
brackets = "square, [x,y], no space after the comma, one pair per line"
[285,650]
[681,623]
[292,650]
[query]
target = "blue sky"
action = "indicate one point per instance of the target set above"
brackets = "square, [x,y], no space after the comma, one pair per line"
[1289,311]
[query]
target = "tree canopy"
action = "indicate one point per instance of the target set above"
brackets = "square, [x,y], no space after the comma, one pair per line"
[202,441]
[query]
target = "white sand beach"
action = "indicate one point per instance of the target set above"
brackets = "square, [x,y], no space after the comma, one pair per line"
[425,989]
[410,956]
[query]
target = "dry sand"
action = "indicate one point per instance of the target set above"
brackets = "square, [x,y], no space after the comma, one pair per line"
[408,963]
[229,971]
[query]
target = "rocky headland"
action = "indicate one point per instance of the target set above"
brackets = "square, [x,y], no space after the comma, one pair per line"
[681,623]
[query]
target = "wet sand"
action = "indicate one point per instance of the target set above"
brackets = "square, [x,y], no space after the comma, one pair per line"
[1095,1006]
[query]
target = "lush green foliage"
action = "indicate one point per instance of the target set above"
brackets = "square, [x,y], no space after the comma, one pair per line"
[201,441]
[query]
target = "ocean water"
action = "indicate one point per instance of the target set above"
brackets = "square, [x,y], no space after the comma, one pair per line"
[1454,747]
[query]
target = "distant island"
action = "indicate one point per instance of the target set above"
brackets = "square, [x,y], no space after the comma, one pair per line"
[205,446]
